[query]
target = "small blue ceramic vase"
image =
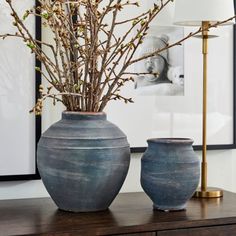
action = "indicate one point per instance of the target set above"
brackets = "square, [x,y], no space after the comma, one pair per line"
[170,173]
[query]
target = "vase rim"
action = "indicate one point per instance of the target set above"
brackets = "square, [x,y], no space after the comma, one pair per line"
[171,140]
[84,113]
[74,115]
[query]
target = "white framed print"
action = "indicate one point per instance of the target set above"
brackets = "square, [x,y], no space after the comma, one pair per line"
[19,130]
[173,107]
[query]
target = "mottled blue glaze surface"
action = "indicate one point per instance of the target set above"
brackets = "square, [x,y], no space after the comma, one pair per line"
[83,160]
[170,172]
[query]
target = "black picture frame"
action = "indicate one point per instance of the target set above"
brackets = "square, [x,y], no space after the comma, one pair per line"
[38,119]
[223,146]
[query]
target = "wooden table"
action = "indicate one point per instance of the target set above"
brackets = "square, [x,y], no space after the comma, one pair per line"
[130,214]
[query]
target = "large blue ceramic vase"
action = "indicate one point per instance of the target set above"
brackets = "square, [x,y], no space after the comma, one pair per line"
[170,173]
[83,160]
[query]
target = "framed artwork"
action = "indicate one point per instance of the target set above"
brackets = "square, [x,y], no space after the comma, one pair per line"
[163,74]
[19,130]
[171,106]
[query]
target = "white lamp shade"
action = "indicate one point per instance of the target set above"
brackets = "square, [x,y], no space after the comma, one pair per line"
[194,12]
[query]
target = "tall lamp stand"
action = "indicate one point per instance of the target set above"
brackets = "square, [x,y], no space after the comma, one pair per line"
[204,191]
[203,13]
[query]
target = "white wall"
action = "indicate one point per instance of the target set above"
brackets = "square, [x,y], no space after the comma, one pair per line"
[221,168]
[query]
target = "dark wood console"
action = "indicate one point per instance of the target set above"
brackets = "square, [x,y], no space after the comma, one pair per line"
[130,214]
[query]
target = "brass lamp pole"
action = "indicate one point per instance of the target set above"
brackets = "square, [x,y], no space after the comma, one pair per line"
[205,192]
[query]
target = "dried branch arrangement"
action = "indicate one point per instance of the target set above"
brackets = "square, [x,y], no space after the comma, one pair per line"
[90,58]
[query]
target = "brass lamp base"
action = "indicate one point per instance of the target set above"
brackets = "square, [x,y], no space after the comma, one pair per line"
[209,193]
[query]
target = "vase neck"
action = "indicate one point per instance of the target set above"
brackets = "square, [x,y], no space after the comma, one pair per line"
[170,141]
[69,115]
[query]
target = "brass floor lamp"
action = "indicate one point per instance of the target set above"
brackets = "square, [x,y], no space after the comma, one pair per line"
[202,13]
